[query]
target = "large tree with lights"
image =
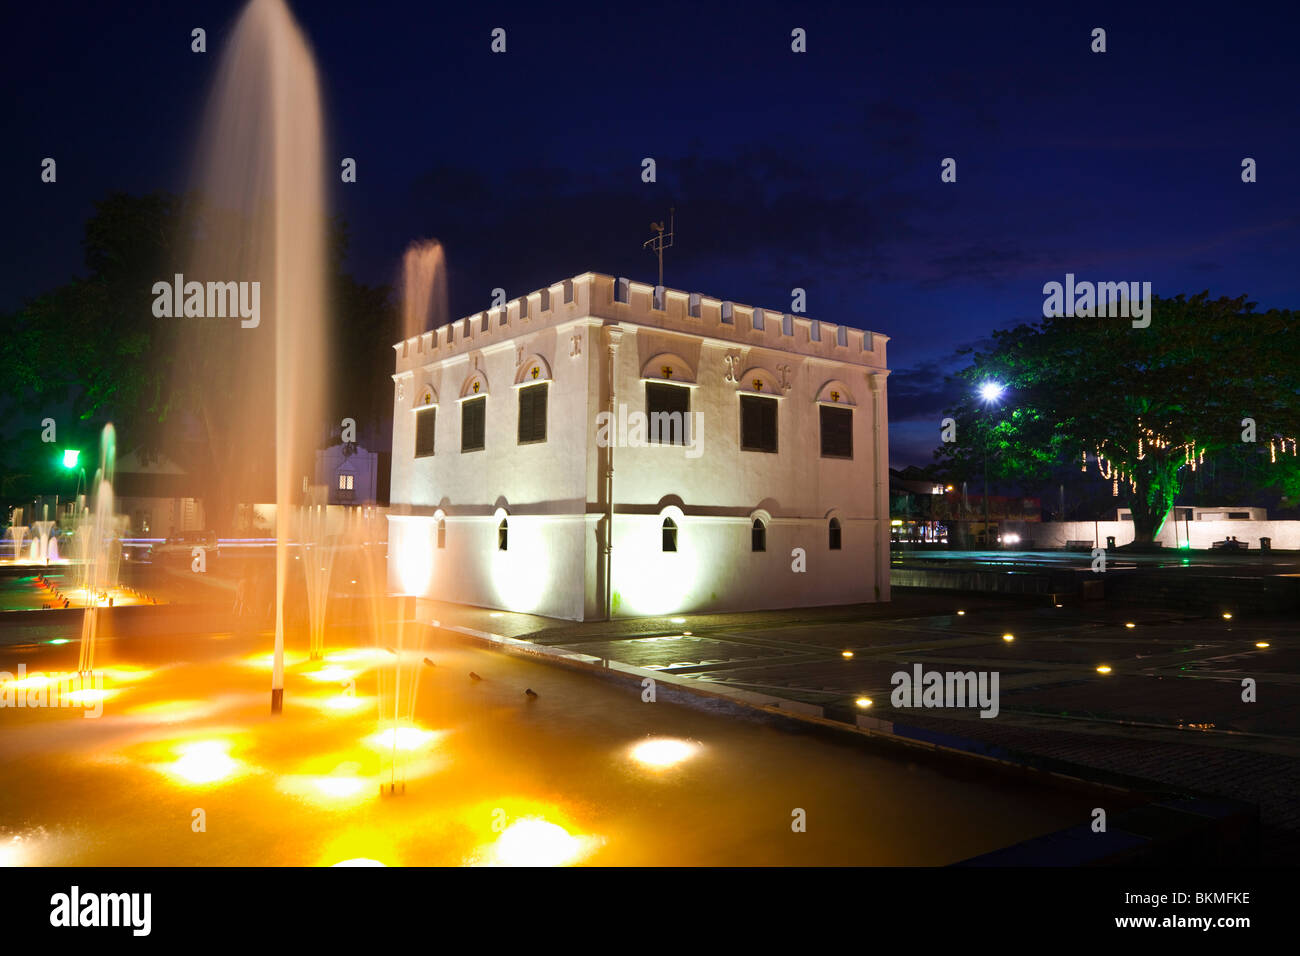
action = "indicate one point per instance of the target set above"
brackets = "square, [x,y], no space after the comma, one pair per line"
[1144,406]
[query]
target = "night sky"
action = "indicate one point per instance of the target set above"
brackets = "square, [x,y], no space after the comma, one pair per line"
[818,170]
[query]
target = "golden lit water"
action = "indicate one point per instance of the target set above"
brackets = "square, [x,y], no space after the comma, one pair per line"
[584,772]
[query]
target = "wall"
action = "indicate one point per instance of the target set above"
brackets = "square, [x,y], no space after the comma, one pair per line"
[1054,534]
[541,572]
[714,568]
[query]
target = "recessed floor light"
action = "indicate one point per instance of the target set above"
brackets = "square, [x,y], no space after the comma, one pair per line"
[1103,669]
[1008,637]
[863,702]
[846,654]
[1261,643]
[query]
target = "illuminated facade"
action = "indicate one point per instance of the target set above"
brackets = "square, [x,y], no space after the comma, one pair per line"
[604,448]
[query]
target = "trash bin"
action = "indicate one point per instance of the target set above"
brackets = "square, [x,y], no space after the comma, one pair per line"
[1266,544]
[1110,542]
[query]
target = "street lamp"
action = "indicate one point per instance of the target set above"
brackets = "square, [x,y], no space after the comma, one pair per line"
[989,394]
[71,459]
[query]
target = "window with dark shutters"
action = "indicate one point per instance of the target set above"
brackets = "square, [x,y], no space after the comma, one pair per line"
[672,405]
[424,420]
[837,432]
[757,423]
[532,414]
[472,418]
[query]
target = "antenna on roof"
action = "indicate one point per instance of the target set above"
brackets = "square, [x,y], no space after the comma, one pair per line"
[661,240]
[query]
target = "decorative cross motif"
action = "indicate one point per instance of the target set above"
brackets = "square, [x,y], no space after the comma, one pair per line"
[835,396]
[475,387]
[534,371]
[666,371]
[758,384]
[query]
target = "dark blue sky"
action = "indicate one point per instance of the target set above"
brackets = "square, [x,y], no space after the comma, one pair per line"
[818,170]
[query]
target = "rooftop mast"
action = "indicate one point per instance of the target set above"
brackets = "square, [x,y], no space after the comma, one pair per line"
[661,241]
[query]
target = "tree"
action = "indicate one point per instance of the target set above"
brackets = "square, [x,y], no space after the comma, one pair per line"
[1145,406]
[195,389]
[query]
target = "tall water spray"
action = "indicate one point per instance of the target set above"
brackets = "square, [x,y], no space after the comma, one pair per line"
[17,532]
[424,287]
[97,545]
[261,173]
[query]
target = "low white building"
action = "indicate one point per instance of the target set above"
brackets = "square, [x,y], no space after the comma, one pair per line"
[603,448]
[1206,513]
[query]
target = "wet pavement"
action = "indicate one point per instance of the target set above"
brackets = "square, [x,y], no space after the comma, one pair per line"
[1170,708]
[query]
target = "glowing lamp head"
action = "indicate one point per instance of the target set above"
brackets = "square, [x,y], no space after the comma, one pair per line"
[1103,669]
[70,456]
[991,391]
[1008,638]
[863,702]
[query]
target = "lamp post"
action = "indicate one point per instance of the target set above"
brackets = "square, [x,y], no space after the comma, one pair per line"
[71,462]
[989,393]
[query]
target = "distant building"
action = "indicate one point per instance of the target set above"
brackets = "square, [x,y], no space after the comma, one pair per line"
[350,474]
[156,496]
[603,448]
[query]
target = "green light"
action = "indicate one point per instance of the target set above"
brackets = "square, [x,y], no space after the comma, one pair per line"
[70,456]
[58,640]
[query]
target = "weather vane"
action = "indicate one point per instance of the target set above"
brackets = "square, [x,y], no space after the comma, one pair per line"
[661,241]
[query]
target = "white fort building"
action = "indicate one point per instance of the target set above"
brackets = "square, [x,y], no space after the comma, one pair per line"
[603,448]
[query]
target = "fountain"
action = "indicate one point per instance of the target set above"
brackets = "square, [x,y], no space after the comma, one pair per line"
[41,530]
[424,287]
[261,167]
[17,532]
[317,555]
[97,538]
[396,634]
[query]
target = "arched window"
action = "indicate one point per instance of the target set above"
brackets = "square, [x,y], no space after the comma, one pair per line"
[503,532]
[835,534]
[670,534]
[442,532]
[758,536]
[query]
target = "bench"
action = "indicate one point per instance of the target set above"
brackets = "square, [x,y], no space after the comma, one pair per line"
[1230,545]
[1081,545]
